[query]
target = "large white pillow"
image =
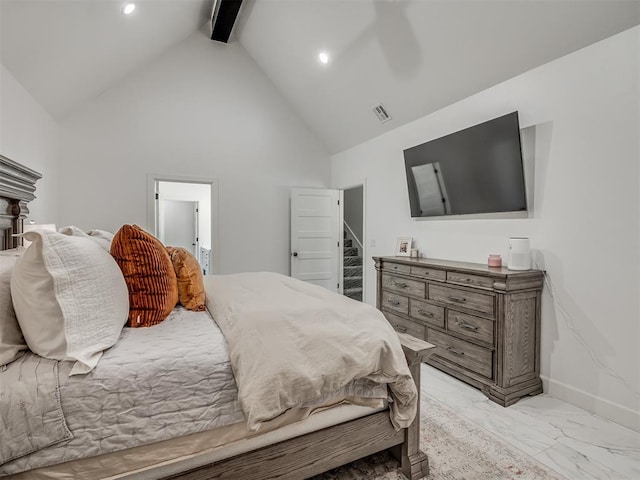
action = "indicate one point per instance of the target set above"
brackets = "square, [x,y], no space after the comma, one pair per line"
[12,344]
[70,298]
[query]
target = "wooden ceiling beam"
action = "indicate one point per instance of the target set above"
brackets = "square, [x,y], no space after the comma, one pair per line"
[224,17]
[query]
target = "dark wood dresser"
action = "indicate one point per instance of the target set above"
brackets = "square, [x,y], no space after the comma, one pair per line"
[484,321]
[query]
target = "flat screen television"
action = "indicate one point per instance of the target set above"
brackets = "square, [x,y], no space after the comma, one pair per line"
[476,170]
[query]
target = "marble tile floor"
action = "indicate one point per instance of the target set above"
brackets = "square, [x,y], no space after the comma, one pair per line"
[573,442]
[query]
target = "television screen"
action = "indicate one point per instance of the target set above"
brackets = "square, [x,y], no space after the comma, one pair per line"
[476,170]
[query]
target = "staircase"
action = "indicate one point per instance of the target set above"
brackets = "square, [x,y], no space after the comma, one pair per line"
[352,270]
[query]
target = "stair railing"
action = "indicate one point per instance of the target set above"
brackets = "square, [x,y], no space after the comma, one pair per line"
[354,236]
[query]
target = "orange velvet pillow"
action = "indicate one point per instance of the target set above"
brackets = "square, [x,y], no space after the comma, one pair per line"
[148,272]
[190,281]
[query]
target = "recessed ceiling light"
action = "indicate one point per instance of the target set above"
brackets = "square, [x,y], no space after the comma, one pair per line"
[323,57]
[128,8]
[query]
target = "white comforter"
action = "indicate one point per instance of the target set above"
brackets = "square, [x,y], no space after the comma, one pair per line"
[291,342]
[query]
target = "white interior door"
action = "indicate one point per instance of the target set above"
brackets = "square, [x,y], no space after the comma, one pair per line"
[316,237]
[179,226]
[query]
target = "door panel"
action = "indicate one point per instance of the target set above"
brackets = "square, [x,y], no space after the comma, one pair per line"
[316,236]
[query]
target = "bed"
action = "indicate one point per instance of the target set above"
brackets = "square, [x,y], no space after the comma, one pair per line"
[219,443]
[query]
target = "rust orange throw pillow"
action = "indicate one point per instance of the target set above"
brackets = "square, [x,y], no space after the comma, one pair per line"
[149,274]
[190,281]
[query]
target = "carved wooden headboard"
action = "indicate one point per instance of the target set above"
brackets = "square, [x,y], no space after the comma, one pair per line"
[17,184]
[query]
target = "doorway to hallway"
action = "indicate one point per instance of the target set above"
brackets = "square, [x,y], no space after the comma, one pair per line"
[184,213]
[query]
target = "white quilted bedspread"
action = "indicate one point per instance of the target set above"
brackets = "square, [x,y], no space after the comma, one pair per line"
[154,384]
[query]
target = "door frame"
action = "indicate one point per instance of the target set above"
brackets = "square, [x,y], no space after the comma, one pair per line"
[152,214]
[362,184]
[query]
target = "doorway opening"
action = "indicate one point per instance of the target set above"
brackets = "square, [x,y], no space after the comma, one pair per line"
[354,243]
[183,214]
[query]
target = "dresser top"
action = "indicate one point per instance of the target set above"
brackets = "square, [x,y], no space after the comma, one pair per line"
[467,267]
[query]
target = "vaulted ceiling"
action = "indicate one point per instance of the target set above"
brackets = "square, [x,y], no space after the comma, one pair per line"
[414,56]
[65,52]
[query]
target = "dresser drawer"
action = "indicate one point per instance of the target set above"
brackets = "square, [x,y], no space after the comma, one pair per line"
[395,302]
[464,354]
[470,326]
[429,273]
[462,298]
[431,314]
[403,325]
[468,279]
[402,285]
[396,267]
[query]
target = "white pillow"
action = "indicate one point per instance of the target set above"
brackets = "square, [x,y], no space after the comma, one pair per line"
[72,231]
[97,233]
[77,232]
[70,298]
[12,344]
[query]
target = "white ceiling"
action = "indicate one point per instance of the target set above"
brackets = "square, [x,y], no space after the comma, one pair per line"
[65,52]
[415,56]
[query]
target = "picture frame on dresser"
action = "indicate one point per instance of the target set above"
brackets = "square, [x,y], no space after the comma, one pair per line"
[485,322]
[403,246]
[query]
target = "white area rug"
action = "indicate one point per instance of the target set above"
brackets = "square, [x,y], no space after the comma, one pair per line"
[457,450]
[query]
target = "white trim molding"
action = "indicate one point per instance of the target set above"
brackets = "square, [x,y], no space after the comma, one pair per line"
[592,403]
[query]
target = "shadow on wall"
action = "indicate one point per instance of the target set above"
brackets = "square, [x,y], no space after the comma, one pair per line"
[536,150]
[543,137]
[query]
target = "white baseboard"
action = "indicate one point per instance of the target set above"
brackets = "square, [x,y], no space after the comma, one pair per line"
[600,406]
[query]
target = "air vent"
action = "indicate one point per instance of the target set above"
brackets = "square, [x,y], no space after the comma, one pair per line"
[381,113]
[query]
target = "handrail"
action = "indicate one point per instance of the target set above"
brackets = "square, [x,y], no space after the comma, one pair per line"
[354,236]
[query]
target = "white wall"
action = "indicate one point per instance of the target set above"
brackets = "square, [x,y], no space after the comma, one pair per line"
[192,192]
[203,108]
[584,226]
[29,136]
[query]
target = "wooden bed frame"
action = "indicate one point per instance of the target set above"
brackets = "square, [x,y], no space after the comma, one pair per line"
[17,184]
[297,458]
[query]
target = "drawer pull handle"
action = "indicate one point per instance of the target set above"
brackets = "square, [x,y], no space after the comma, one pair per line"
[466,326]
[457,299]
[424,313]
[395,303]
[454,351]
[400,328]
[400,285]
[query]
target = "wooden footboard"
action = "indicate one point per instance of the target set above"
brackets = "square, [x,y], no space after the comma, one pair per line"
[414,461]
[309,454]
[331,447]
